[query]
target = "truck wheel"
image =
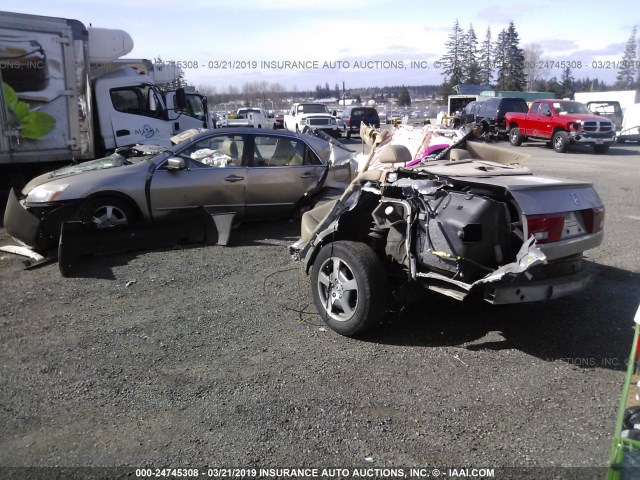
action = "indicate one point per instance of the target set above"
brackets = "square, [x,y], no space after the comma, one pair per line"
[106,212]
[349,287]
[601,148]
[515,138]
[560,141]
[348,134]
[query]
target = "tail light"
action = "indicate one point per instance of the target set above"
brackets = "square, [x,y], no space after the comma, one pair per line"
[546,228]
[549,228]
[349,122]
[593,219]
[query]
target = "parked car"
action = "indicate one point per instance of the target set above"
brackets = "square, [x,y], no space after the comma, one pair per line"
[278,120]
[352,117]
[480,226]
[489,112]
[253,173]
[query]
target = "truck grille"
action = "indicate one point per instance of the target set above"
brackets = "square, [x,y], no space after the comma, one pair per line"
[594,127]
[318,121]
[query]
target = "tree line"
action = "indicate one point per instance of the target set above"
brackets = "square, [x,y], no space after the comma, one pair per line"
[504,65]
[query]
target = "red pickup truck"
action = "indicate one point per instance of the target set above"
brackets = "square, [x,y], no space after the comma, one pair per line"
[563,122]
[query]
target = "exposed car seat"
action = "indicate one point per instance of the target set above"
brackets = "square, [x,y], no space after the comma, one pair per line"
[312,218]
[285,154]
[230,148]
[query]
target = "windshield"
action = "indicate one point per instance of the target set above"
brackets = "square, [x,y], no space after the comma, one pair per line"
[563,108]
[195,106]
[312,108]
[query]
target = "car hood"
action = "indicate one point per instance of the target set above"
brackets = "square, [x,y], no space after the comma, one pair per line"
[584,117]
[74,170]
[122,158]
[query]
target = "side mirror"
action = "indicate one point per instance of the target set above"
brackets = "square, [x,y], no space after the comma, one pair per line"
[175,163]
[180,101]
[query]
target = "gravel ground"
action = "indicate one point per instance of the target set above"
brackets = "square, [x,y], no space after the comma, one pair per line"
[212,356]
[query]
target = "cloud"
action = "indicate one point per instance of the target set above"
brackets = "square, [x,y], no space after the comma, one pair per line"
[557,45]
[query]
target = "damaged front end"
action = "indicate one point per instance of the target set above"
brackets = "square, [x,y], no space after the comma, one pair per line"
[472,227]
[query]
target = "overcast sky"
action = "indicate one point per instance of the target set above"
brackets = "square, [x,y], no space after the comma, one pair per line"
[382,36]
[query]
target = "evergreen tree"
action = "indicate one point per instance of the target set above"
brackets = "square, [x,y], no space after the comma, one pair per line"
[470,65]
[509,59]
[485,73]
[404,99]
[554,86]
[567,82]
[627,71]
[500,59]
[452,60]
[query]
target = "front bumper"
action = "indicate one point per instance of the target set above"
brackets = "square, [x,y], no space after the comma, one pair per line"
[21,224]
[582,138]
[39,232]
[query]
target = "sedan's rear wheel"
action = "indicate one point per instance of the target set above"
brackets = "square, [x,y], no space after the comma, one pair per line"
[349,287]
[107,212]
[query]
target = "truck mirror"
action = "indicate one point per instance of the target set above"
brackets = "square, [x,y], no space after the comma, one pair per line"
[180,102]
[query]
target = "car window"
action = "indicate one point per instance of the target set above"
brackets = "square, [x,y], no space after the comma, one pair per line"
[217,151]
[545,109]
[137,100]
[513,105]
[277,151]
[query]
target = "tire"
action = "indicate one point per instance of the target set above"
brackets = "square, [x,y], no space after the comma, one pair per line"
[515,138]
[259,126]
[349,287]
[107,212]
[560,141]
[600,149]
[348,134]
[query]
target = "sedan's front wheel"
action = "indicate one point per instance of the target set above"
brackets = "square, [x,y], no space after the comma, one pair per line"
[106,212]
[349,287]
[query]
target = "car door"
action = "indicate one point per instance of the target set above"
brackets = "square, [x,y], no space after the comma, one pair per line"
[214,178]
[280,171]
[533,120]
[545,124]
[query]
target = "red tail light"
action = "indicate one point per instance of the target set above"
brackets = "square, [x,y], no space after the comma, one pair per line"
[593,219]
[546,228]
[349,122]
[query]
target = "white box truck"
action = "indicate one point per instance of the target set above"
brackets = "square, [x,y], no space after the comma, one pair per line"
[55,108]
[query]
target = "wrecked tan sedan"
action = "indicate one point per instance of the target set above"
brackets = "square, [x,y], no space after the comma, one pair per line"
[252,173]
[475,224]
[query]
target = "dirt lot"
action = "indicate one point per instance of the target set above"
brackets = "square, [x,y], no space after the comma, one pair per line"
[210,356]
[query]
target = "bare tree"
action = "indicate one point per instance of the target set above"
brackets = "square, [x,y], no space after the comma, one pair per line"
[533,64]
